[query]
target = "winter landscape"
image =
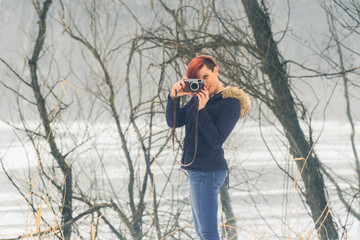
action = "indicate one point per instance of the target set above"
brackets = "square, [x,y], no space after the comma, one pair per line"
[86,152]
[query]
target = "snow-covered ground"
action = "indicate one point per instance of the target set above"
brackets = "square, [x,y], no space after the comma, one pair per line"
[264,199]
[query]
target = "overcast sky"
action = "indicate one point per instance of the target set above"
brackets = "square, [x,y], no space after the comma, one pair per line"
[307,25]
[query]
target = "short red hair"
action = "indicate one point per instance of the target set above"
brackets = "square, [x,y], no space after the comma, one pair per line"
[197,63]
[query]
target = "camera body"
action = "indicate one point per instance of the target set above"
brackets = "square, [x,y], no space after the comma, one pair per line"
[193,85]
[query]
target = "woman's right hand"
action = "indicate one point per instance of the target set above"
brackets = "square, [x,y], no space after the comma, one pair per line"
[177,89]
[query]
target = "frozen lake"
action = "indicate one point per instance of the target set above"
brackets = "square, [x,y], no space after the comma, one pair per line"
[265,202]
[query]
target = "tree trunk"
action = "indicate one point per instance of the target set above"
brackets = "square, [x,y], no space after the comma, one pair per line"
[66,214]
[283,106]
[229,214]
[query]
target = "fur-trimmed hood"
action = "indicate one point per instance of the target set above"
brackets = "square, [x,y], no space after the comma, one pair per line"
[241,96]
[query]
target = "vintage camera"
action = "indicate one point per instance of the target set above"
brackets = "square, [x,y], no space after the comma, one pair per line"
[193,85]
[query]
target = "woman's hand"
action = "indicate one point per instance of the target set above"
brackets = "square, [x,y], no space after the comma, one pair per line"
[203,97]
[177,89]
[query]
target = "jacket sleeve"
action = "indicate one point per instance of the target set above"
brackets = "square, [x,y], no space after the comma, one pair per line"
[217,132]
[180,113]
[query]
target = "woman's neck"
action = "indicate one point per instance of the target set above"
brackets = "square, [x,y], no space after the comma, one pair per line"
[218,88]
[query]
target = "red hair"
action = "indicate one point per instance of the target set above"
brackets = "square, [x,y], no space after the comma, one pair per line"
[197,63]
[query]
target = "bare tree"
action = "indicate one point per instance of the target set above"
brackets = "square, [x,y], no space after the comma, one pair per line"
[142,107]
[340,31]
[46,118]
[283,106]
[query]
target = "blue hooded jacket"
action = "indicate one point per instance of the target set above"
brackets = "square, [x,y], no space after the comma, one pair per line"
[215,123]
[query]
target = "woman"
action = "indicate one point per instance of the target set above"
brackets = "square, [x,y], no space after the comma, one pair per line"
[218,111]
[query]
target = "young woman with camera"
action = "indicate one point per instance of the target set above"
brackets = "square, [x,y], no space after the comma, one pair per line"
[217,109]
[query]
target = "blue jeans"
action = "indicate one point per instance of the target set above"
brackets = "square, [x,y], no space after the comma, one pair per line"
[204,191]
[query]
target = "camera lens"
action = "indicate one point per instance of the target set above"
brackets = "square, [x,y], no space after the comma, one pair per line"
[194,86]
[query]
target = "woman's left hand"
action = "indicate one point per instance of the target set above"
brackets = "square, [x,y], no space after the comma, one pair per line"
[203,97]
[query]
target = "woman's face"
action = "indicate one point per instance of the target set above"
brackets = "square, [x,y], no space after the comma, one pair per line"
[210,78]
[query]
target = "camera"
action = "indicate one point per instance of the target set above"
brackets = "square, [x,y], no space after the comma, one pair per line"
[193,85]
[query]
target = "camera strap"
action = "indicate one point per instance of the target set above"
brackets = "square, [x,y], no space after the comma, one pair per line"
[173,133]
